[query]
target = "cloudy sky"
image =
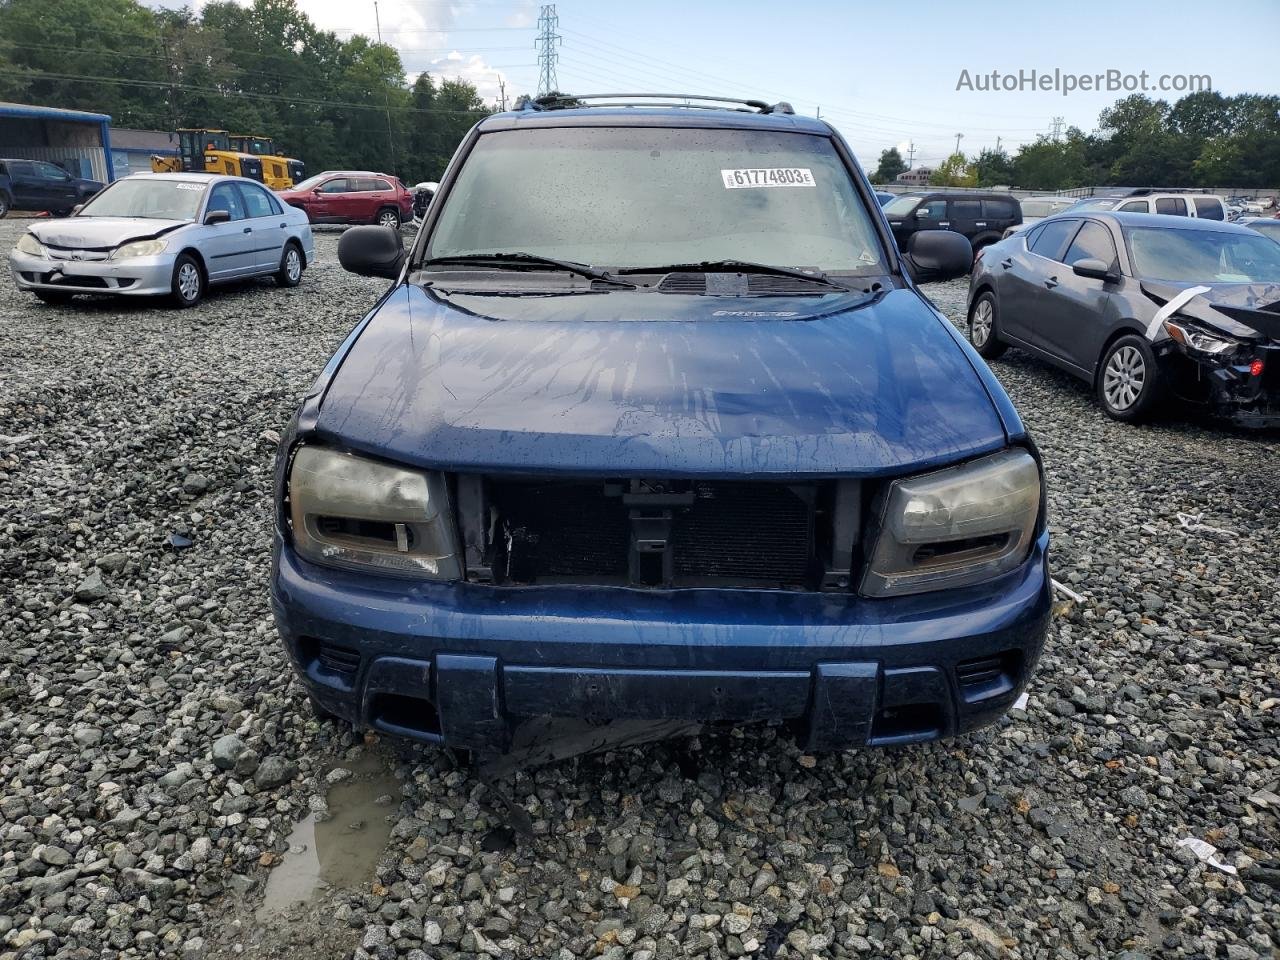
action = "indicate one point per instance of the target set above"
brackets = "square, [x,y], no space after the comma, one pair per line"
[884,79]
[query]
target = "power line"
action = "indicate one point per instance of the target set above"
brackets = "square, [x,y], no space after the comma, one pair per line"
[546,45]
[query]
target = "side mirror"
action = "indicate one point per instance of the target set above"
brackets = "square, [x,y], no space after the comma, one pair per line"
[372,252]
[76,209]
[935,255]
[315,191]
[217,216]
[1094,270]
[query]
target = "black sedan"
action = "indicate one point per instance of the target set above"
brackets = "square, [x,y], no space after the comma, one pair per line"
[1146,308]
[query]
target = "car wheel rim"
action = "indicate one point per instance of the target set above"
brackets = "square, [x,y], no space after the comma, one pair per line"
[389,220]
[1124,378]
[980,332]
[188,281]
[292,265]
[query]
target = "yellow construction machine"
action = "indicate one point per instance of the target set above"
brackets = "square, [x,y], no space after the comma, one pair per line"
[201,150]
[278,171]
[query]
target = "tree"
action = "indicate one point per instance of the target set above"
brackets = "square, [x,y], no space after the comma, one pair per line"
[891,164]
[993,169]
[955,171]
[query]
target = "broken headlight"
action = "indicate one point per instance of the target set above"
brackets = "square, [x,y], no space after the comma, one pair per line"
[953,527]
[1197,338]
[361,514]
[28,244]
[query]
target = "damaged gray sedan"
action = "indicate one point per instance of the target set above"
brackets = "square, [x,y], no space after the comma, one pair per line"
[165,234]
[1148,309]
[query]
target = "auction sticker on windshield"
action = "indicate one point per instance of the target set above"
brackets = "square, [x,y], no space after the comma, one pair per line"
[768,177]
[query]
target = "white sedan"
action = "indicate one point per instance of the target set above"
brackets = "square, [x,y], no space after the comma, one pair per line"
[165,234]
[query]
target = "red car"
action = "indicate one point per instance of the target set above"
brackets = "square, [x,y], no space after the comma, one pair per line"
[352,196]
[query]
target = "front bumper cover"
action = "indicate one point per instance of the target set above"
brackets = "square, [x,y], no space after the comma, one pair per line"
[137,276]
[467,666]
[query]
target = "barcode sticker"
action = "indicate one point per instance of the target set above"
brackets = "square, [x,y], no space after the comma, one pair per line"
[767,177]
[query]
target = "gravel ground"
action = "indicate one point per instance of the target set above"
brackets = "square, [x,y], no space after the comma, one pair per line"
[155,754]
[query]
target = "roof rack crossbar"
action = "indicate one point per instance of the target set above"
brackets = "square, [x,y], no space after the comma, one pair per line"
[568,100]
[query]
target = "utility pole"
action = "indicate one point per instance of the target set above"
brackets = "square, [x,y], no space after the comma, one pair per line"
[386,99]
[546,45]
[998,144]
[911,153]
[502,88]
[959,137]
[819,113]
[1057,128]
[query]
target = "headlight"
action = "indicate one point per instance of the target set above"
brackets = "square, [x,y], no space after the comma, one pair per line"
[349,511]
[954,527]
[1197,338]
[29,245]
[140,248]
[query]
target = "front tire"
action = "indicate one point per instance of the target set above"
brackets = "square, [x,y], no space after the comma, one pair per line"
[188,286]
[1130,386]
[982,327]
[4,206]
[389,217]
[290,272]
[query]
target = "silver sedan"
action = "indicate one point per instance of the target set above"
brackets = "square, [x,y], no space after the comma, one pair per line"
[165,234]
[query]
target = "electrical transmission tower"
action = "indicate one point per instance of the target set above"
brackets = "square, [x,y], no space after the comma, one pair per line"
[546,43]
[1057,128]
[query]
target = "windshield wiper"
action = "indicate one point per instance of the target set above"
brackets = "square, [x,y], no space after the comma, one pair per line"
[740,266]
[519,259]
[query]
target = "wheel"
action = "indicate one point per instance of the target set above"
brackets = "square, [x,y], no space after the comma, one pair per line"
[4,206]
[387,217]
[290,272]
[982,327]
[188,282]
[58,297]
[1129,382]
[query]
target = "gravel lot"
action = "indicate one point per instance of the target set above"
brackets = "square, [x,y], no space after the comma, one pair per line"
[155,754]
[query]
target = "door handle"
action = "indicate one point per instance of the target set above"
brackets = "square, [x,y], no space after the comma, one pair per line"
[981,223]
[1007,262]
[944,223]
[1051,282]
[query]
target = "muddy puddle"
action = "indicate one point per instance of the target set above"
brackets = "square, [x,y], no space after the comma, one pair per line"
[337,850]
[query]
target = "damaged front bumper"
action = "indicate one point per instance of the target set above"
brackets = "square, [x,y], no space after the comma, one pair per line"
[136,276]
[473,666]
[1242,386]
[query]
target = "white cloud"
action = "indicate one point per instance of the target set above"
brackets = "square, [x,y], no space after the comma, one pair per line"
[473,69]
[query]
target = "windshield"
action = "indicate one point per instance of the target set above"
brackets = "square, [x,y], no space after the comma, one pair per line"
[1196,256]
[1268,228]
[312,182]
[644,196]
[1041,208]
[901,206]
[1099,203]
[147,198]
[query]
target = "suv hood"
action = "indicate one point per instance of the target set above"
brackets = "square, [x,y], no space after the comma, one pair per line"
[101,233]
[648,384]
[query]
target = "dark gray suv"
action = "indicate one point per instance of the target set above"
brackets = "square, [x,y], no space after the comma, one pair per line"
[982,218]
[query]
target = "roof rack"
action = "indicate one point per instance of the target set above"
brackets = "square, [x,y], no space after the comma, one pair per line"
[565,101]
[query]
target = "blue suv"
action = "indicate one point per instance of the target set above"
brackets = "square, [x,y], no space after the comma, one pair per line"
[654,429]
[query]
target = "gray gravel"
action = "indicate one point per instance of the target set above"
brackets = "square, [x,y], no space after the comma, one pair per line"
[155,753]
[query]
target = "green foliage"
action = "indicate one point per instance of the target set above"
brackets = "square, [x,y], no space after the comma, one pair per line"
[955,171]
[891,164]
[993,169]
[264,69]
[1205,139]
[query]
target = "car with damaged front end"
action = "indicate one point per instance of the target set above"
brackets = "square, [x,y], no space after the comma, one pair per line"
[653,430]
[1154,312]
